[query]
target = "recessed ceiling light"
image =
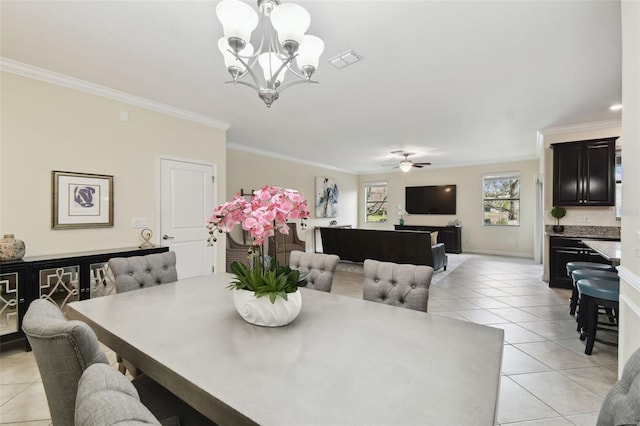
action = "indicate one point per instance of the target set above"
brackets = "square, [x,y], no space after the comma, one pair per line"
[615,107]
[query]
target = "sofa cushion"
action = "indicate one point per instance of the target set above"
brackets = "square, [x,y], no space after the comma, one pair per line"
[434,238]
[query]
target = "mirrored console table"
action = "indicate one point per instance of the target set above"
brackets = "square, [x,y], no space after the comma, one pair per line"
[61,278]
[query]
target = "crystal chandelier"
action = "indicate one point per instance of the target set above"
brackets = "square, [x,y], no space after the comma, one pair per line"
[282,39]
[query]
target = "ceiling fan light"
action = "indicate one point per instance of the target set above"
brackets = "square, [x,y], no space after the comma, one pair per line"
[405,165]
[270,63]
[309,53]
[238,19]
[290,21]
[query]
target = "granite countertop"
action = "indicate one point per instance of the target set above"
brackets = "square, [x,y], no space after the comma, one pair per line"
[571,231]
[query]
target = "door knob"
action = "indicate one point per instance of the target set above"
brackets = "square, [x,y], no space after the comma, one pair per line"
[166,237]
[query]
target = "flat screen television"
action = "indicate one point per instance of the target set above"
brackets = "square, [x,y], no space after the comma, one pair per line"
[436,199]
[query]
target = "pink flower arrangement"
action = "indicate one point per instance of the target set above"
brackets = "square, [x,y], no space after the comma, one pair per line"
[267,212]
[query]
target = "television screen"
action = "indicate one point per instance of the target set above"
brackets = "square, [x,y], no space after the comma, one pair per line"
[440,199]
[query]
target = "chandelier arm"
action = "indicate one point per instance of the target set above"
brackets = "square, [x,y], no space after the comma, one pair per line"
[274,77]
[293,83]
[244,83]
[248,70]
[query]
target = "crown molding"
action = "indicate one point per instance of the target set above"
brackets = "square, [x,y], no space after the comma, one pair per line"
[244,148]
[593,125]
[41,74]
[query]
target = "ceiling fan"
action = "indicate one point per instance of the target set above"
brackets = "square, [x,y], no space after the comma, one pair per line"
[405,165]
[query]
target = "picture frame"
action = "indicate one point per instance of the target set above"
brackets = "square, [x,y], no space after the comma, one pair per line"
[81,200]
[327,196]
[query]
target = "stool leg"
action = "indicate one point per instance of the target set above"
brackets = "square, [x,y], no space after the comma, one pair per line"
[574,300]
[592,325]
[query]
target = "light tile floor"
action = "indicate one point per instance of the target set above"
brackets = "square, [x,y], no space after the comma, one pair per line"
[546,377]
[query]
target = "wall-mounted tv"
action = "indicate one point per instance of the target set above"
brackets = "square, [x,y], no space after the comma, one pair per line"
[436,199]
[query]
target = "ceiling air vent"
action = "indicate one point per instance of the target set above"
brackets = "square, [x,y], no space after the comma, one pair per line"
[345,59]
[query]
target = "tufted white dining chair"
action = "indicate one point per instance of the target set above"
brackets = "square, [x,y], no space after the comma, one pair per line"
[136,272]
[65,349]
[320,267]
[621,406]
[406,286]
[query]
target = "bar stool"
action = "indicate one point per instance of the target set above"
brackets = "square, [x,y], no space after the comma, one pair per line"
[581,274]
[593,294]
[572,266]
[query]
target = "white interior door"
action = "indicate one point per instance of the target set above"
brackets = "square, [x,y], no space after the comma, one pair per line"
[186,200]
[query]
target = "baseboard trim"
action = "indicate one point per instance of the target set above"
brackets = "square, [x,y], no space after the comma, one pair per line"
[500,253]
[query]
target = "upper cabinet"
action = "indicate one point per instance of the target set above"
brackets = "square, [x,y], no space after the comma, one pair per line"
[583,173]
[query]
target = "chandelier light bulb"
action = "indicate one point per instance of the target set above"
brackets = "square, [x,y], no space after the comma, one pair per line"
[290,22]
[270,63]
[234,66]
[238,20]
[309,54]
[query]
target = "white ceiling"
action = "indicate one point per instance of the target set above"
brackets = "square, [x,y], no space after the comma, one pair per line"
[457,82]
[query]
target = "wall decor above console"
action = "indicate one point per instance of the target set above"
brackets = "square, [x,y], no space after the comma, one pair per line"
[584,172]
[434,199]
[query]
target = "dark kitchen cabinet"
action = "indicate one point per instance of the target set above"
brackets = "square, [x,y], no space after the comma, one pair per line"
[583,173]
[563,250]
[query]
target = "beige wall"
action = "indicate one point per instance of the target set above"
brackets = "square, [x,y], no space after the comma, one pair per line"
[476,238]
[47,127]
[630,265]
[250,170]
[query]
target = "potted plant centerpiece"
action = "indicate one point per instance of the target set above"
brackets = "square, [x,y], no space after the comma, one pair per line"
[558,213]
[265,292]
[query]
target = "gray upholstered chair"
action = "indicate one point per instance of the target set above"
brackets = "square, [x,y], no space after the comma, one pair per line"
[136,272]
[132,273]
[319,266]
[395,284]
[107,398]
[621,406]
[236,252]
[286,244]
[63,350]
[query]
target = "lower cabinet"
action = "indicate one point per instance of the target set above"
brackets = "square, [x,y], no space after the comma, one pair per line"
[563,250]
[61,278]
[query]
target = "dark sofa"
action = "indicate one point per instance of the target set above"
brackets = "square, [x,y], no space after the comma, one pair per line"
[356,245]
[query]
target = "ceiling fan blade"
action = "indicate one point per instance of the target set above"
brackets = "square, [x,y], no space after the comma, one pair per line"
[417,166]
[422,164]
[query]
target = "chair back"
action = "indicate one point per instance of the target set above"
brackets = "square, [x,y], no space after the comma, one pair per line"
[132,273]
[106,397]
[236,252]
[63,350]
[394,284]
[285,243]
[319,266]
[621,406]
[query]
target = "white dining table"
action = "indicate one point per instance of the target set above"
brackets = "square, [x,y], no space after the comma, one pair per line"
[342,361]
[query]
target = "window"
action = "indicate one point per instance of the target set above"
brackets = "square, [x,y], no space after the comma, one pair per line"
[501,199]
[376,201]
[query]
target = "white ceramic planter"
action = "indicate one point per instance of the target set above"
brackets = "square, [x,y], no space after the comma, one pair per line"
[260,310]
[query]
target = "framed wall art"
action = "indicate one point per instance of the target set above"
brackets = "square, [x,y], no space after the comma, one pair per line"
[81,200]
[327,194]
